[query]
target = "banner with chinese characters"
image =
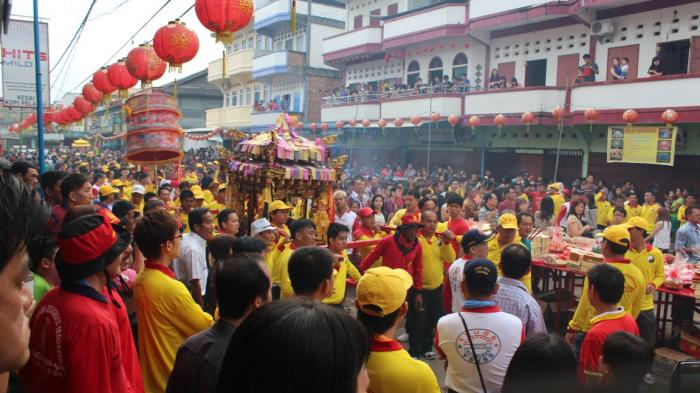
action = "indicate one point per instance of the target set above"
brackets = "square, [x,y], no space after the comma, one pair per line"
[642,145]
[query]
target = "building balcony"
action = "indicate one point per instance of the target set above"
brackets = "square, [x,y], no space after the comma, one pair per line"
[238,116]
[422,105]
[239,66]
[278,63]
[265,120]
[271,15]
[344,108]
[359,45]
[536,99]
[424,24]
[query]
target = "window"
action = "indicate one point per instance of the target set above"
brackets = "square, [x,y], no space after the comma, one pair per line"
[248,96]
[357,22]
[236,46]
[225,100]
[234,98]
[412,73]
[435,68]
[259,43]
[459,66]
[257,97]
[288,44]
[250,42]
[299,42]
[392,9]
[241,97]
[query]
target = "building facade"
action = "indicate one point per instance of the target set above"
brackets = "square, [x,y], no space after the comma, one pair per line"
[271,68]
[536,49]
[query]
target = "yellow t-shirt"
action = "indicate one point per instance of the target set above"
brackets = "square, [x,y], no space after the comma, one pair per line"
[392,370]
[185,219]
[649,212]
[558,201]
[216,207]
[681,214]
[398,215]
[494,256]
[435,254]
[632,298]
[167,316]
[633,211]
[208,197]
[280,272]
[363,234]
[604,208]
[339,283]
[650,261]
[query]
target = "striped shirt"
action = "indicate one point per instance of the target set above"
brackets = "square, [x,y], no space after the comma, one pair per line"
[688,237]
[513,297]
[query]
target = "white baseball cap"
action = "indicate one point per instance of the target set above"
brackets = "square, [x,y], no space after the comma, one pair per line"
[138,189]
[261,225]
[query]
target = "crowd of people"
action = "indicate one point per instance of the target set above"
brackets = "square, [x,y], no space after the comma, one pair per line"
[144,280]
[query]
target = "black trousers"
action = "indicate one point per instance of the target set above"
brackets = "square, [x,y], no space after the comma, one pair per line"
[420,324]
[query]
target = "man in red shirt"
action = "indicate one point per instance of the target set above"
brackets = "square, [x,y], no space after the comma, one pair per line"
[403,251]
[606,284]
[509,202]
[456,223]
[75,191]
[81,338]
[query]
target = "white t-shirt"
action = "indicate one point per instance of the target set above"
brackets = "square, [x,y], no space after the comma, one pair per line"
[456,276]
[348,219]
[495,334]
[662,239]
[192,262]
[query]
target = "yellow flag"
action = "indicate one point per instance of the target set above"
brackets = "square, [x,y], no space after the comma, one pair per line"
[294,16]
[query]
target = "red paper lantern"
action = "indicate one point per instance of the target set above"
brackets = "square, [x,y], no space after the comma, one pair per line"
[339,124]
[365,123]
[500,120]
[224,17]
[73,115]
[669,117]
[324,126]
[398,122]
[453,120]
[558,113]
[381,123]
[435,117]
[528,118]
[300,124]
[352,122]
[591,114]
[91,93]
[415,120]
[176,44]
[101,81]
[82,105]
[630,116]
[313,127]
[120,78]
[144,64]
[474,121]
[30,119]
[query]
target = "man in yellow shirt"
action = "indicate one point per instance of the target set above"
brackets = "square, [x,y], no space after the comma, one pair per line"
[689,201]
[604,207]
[303,234]
[219,203]
[650,208]
[207,182]
[554,192]
[165,309]
[506,233]
[381,307]
[650,261]
[619,202]
[186,202]
[411,199]
[437,255]
[634,209]
[279,214]
[367,231]
[263,230]
[616,241]
[337,235]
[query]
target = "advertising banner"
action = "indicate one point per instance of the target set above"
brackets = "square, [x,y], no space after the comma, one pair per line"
[642,145]
[18,74]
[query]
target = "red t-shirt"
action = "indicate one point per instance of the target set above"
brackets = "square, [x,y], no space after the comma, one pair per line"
[410,258]
[592,346]
[81,344]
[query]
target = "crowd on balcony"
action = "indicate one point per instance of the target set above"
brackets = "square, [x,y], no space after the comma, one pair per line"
[271,106]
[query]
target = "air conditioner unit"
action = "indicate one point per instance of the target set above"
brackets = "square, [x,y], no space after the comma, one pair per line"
[602,28]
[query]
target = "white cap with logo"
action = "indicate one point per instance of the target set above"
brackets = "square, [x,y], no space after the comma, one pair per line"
[261,225]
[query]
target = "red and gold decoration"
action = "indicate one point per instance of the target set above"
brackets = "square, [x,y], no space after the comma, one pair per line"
[176,44]
[91,93]
[120,78]
[630,116]
[527,118]
[82,105]
[144,64]
[224,17]
[153,129]
[474,121]
[500,121]
[101,81]
[669,117]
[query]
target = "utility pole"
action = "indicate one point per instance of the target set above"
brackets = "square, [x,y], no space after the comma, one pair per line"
[39,103]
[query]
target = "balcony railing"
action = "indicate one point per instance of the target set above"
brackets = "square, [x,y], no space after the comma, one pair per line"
[267,64]
[514,100]
[446,19]
[238,64]
[364,41]
[237,116]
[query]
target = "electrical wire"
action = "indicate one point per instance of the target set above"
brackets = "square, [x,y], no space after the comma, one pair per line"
[76,35]
[129,40]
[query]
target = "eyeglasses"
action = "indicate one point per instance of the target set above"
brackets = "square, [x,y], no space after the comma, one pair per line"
[178,236]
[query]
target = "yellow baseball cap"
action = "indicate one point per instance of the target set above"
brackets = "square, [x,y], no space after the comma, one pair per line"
[555,186]
[196,188]
[106,190]
[638,222]
[617,234]
[508,221]
[216,162]
[117,183]
[199,165]
[278,205]
[198,194]
[83,164]
[382,290]
[221,187]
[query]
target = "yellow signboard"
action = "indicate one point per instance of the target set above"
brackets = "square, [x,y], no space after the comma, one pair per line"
[642,145]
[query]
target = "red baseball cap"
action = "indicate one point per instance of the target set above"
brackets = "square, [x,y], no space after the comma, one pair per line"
[365,212]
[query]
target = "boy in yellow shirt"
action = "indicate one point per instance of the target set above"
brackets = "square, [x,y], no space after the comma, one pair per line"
[381,307]
[506,233]
[337,235]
